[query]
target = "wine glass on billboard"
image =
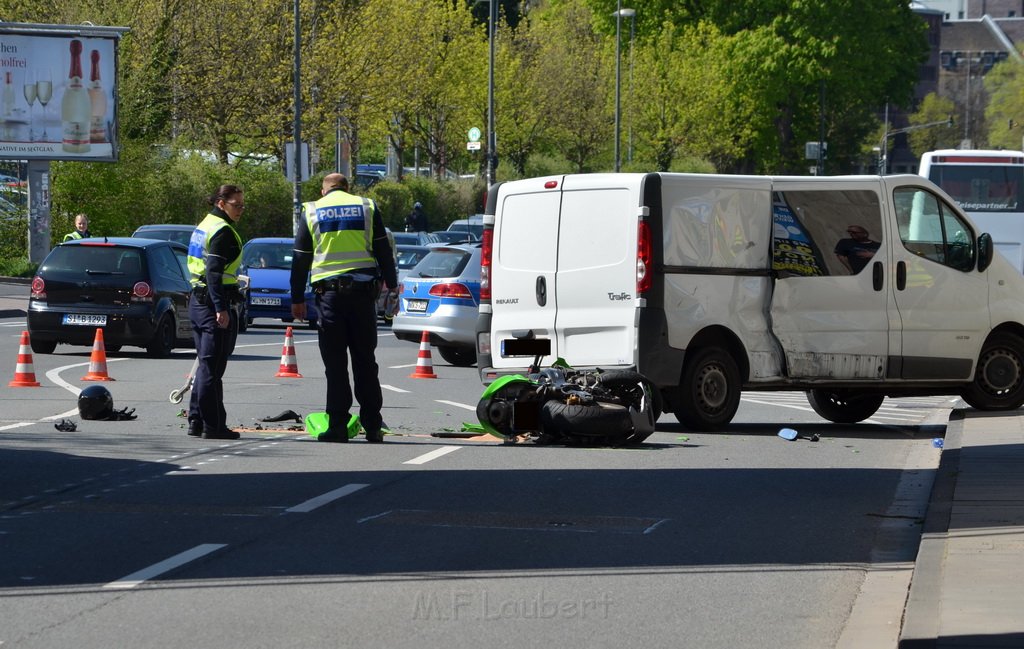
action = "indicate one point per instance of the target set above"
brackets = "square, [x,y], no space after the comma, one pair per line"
[29,88]
[44,91]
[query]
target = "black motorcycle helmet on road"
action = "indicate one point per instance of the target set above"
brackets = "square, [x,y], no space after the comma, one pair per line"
[95,402]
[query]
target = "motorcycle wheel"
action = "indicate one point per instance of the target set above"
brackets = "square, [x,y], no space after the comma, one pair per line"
[618,379]
[600,420]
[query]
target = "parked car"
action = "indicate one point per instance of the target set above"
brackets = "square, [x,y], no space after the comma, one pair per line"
[455,236]
[166,232]
[136,290]
[267,262]
[473,224]
[406,257]
[415,238]
[441,295]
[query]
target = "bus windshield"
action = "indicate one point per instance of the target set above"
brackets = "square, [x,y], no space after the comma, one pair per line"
[989,187]
[979,183]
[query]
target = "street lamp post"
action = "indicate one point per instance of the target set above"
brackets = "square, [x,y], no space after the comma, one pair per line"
[619,13]
[629,128]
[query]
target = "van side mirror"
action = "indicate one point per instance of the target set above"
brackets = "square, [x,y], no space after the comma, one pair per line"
[985,251]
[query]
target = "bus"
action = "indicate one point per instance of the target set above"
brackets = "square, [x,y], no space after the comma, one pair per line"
[989,187]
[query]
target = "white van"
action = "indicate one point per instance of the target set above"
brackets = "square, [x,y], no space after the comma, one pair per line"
[852,288]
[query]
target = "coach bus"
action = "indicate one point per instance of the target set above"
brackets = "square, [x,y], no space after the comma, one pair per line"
[989,186]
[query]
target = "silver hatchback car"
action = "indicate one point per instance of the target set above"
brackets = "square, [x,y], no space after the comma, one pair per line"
[441,296]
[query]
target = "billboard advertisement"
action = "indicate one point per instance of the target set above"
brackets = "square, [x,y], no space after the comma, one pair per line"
[58,94]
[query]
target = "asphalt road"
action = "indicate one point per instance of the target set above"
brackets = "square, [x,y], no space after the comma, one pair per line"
[133,534]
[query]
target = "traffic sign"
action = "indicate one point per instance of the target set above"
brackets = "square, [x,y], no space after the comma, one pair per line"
[474,134]
[472,146]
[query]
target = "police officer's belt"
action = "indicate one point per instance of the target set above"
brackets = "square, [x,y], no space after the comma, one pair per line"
[230,292]
[344,283]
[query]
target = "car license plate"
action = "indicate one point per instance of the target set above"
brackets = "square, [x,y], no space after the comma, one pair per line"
[416,306]
[267,301]
[83,319]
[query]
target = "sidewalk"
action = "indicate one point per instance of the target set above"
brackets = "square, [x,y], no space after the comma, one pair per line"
[968,584]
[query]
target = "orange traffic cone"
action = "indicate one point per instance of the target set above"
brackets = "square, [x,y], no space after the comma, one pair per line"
[289,366]
[97,360]
[424,366]
[24,375]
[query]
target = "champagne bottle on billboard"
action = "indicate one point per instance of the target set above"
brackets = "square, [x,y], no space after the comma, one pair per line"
[8,95]
[75,108]
[98,100]
[44,91]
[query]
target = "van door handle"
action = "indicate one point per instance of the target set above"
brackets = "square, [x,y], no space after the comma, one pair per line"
[876,275]
[542,291]
[901,275]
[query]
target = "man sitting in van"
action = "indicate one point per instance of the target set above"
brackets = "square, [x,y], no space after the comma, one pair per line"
[857,250]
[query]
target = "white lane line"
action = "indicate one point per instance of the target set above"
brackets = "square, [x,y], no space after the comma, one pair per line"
[457,404]
[157,569]
[393,389]
[323,499]
[433,455]
[54,375]
[17,425]
[401,367]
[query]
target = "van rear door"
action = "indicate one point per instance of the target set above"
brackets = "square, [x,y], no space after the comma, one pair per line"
[595,285]
[564,268]
[523,264]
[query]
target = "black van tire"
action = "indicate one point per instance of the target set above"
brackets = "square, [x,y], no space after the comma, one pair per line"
[600,420]
[163,339]
[709,393]
[844,406]
[999,378]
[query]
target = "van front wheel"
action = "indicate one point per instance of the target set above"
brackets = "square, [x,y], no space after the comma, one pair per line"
[844,406]
[710,391]
[999,379]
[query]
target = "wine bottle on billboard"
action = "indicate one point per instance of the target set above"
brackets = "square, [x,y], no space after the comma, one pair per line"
[75,107]
[8,95]
[98,100]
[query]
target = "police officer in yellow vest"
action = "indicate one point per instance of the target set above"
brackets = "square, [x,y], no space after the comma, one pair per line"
[81,229]
[214,255]
[345,246]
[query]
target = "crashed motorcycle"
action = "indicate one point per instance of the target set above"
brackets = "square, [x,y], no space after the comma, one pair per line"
[560,405]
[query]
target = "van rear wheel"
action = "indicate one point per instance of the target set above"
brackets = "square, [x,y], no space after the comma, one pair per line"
[710,391]
[999,378]
[844,406]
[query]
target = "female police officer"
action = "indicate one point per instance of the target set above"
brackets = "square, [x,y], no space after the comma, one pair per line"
[345,245]
[214,255]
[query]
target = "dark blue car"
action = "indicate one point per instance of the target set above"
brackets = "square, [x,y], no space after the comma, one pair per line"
[267,262]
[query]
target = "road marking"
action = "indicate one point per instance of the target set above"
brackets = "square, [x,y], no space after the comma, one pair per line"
[157,569]
[323,499]
[54,375]
[401,367]
[393,389]
[433,455]
[17,425]
[457,404]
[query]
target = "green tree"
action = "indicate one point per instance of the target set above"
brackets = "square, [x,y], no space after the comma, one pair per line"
[1005,111]
[938,112]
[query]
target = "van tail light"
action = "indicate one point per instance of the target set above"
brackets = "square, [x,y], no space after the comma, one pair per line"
[485,264]
[38,288]
[454,290]
[142,292]
[643,258]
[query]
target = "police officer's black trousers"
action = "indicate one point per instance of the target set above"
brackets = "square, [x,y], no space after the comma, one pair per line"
[348,326]
[213,346]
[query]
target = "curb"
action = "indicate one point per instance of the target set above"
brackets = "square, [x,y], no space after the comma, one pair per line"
[923,611]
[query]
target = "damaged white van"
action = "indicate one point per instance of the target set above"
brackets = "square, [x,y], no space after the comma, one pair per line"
[852,288]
